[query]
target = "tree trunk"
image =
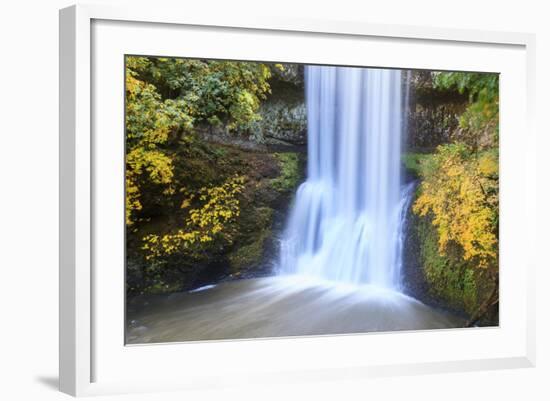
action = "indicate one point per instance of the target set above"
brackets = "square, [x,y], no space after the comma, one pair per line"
[486,305]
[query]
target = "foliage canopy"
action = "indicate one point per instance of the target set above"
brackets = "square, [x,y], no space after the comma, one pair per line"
[459,189]
[167,99]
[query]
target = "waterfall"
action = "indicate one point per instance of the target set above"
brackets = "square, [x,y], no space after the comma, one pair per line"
[347,218]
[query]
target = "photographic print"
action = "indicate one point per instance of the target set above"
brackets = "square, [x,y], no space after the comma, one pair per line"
[271,199]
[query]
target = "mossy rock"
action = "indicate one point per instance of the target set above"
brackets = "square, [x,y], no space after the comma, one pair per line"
[255,226]
[413,163]
[451,279]
[249,256]
[290,175]
[255,219]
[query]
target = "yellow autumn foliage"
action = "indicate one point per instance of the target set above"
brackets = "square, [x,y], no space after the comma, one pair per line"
[166,99]
[156,165]
[149,121]
[209,221]
[460,191]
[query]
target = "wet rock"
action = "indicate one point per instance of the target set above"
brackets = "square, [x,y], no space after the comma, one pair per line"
[290,73]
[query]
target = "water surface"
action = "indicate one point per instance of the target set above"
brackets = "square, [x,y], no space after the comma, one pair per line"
[275,307]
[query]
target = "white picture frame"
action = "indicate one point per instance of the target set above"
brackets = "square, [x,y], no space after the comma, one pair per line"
[84,350]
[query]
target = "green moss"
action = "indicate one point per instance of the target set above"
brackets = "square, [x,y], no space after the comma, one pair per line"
[290,176]
[248,251]
[470,290]
[160,287]
[413,161]
[249,255]
[264,215]
[449,277]
[256,219]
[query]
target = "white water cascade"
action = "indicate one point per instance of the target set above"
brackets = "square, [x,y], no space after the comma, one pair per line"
[346,224]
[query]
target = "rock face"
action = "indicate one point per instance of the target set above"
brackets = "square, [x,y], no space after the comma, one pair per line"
[290,73]
[282,123]
[432,115]
[283,114]
[445,282]
[414,278]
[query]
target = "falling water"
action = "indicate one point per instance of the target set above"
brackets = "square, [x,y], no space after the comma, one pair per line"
[346,223]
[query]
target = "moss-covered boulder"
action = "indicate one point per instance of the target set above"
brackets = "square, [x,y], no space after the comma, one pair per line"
[249,253]
[443,280]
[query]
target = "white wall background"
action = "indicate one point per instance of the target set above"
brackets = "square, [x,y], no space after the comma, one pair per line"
[29,200]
